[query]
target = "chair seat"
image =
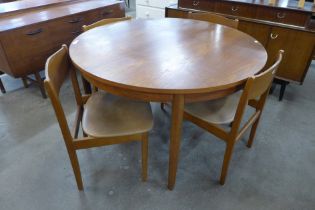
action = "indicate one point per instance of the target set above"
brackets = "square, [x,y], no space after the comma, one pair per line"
[219,111]
[106,115]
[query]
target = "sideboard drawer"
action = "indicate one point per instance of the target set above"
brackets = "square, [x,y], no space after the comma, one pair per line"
[282,16]
[198,4]
[236,9]
[155,3]
[149,12]
[64,30]
[27,41]
[34,63]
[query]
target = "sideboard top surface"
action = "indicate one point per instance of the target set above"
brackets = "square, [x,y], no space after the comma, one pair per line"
[28,4]
[287,4]
[29,16]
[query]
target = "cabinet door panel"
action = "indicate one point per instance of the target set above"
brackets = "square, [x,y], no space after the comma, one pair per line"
[298,47]
[259,31]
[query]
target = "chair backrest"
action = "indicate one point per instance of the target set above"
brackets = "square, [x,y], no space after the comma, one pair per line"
[104,22]
[256,88]
[213,18]
[58,68]
[259,84]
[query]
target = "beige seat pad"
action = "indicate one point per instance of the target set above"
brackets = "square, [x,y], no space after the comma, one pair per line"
[218,111]
[106,115]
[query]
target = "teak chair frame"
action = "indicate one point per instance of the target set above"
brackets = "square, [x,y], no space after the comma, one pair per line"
[213,18]
[58,67]
[255,93]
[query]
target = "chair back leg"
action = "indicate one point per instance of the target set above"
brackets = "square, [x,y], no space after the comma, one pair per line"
[144,161]
[253,133]
[76,167]
[226,161]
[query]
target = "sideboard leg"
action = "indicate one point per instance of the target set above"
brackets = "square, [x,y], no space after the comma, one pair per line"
[283,84]
[40,84]
[282,90]
[86,86]
[2,86]
[24,80]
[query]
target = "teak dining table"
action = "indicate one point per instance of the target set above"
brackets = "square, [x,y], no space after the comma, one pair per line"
[168,60]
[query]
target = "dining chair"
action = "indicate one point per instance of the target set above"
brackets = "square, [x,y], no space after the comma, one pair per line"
[213,18]
[105,119]
[210,115]
[86,84]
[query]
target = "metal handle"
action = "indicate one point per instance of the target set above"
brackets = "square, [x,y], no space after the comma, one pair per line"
[76,20]
[280,16]
[234,9]
[274,36]
[37,31]
[76,32]
[107,12]
[196,3]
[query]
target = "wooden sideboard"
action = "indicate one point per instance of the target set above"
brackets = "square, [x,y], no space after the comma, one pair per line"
[281,26]
[31,30]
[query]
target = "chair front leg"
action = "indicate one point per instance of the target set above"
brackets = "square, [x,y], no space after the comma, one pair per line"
[227,157]
[144,161]
[76,167]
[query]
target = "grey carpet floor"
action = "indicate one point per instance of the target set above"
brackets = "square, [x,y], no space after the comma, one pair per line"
[277,173]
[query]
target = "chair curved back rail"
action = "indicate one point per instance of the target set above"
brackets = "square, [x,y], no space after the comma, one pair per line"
[213,18]
[104,22]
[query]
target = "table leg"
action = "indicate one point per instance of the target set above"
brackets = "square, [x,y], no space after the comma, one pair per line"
[176,131]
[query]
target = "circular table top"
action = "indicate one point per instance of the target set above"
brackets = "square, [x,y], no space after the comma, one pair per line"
[173,56]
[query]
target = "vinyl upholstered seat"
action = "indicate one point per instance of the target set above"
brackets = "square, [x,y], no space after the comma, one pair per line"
[220,111]
[106,115]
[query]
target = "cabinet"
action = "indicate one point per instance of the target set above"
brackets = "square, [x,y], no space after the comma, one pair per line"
[276,28]
[25,45]
[298,47]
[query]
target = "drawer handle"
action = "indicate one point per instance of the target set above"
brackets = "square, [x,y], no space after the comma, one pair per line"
[32,33]
[234,9]
[76,20]
[280,16]
[274,36]
[76,32]
[107,12]
[196,3]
